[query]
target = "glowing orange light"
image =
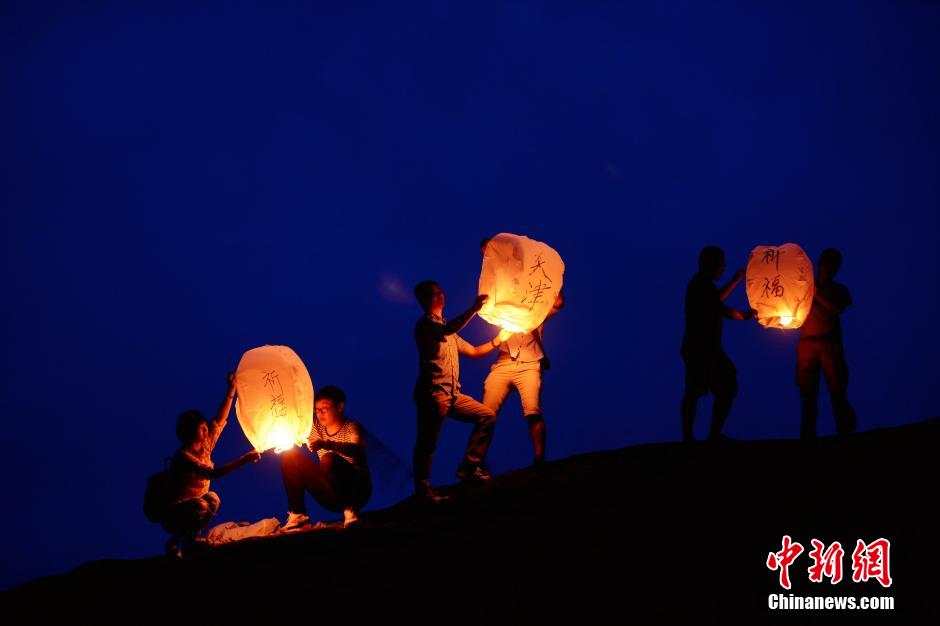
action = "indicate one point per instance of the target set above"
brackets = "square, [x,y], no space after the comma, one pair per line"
[275,398]
[522,278]
[780,285]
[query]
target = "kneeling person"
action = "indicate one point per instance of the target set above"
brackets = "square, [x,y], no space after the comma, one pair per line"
[341,480]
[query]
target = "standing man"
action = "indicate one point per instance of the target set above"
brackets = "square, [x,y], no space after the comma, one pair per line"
[820,347]
[437,391]
[707,367]
[519,366]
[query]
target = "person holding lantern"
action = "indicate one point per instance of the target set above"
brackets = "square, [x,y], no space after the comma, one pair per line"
[707,367]
[340,481]
[820,348]
[519,366]
[437,391]
[193,505]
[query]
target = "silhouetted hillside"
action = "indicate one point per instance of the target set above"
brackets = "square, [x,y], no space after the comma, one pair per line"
[668,533]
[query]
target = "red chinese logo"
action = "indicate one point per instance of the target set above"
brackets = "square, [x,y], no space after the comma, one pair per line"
[826,563]
[869,561]
[782,560]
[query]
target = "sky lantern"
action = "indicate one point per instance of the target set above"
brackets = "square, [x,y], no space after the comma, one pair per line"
[275,398]
[780,285]
[522,277]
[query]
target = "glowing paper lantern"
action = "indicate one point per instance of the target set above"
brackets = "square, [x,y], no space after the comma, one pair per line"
[275,398]
[780,285]
[522,277]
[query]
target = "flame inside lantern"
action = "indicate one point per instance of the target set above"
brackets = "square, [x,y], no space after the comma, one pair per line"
[281,438]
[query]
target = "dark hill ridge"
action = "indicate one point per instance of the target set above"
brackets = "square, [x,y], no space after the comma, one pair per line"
[665,532]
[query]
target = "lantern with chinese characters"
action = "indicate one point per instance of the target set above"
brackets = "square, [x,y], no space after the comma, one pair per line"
[780,285]
[522,277]
[275,398]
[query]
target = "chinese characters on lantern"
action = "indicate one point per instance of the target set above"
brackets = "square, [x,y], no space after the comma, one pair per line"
[275,398]
[779,285]
[535,293]
[522,278]
[870,561]
[272,382]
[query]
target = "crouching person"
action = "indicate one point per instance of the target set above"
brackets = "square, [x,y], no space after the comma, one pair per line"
[340,481]
[193,505]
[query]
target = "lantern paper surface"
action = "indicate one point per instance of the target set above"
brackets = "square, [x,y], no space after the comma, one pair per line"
[780,285]
[275,398]
[522,277]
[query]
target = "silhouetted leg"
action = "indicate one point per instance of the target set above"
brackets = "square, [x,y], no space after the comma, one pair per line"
[351,486]
[721,409]
[807,379]
[212,502]
[836,372]
[724,384]
[466,409]
[809,407]
[431,414]
[696,384]
[689,402]
[302,475]
[537,433]
[529,383]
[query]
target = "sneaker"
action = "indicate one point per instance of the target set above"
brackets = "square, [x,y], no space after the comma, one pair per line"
[295,522]
[474,474]
[350,518]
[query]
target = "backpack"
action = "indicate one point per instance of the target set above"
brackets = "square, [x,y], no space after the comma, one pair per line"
[159,493]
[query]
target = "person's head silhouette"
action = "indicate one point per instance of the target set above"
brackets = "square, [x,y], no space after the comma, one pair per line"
[191,427]
[830,260]
[430,296]
[711,262]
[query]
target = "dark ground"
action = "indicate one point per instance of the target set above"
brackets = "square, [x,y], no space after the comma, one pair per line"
[664,533]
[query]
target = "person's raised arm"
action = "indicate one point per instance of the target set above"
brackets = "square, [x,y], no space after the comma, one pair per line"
[248,457]
[226,406]
[832,299]
[480,351]
[457,324]
[725,291]
[734,314]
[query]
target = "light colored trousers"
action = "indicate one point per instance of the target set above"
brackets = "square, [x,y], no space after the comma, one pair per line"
[526,378]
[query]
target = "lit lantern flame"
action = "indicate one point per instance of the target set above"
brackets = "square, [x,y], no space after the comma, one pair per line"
[780,285]
[280,437]
[275,398]
[522,278]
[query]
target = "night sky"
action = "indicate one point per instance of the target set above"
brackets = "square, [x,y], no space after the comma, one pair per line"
[182,184]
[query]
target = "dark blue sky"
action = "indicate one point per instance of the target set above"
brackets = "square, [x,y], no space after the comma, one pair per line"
[180,185]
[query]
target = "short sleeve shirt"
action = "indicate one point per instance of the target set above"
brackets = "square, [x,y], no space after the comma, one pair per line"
[349,433]
[821,321]
[438,356]
[520,348]
[704,314]
[190,468]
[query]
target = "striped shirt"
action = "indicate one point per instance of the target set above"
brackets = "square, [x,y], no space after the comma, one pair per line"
[351,433]
[191,469]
